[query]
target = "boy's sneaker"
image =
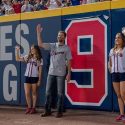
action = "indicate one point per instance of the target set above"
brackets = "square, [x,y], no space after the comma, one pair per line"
[27,110]
[120,118]
[33,111]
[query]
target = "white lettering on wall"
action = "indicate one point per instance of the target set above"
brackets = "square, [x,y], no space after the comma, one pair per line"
[20,39]
[9,87]
[5,42]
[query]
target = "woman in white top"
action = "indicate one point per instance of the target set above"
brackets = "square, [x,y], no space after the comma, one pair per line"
[32,75]
[116,66]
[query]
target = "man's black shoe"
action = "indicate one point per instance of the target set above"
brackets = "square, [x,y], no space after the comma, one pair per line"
[64,109]
[59,115]
[45,114]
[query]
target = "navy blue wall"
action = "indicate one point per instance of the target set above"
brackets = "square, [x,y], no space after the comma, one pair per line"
[23,32]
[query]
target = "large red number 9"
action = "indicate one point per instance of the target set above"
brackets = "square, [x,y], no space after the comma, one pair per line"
[88,59]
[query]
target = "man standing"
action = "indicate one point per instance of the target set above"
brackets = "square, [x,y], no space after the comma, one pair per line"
[60,60]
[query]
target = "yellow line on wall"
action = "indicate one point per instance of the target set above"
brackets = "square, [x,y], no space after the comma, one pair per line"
[8,18]
[86,8]
[118,4]
[41,14]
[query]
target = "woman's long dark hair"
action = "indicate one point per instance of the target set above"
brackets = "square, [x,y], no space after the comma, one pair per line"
[38,53]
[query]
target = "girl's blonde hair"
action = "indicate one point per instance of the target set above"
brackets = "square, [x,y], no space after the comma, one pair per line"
[123,41]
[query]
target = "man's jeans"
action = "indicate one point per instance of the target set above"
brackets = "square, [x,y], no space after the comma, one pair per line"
[60,81]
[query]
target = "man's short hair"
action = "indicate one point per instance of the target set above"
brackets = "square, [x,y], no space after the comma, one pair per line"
[63,32]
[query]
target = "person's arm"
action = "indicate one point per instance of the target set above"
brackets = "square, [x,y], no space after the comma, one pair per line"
[68,76]
[39,38]
[58,3]
[41,44]
[110,61]
[17,51]
[110,64]
[48,3]
[68,59]
[40,74]
[23,8]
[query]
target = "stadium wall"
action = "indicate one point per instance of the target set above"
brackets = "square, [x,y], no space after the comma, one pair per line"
[90,31]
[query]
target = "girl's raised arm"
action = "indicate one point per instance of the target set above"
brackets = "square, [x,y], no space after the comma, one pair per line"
[17,54]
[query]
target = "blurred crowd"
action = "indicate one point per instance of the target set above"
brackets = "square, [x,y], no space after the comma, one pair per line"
[19,6]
